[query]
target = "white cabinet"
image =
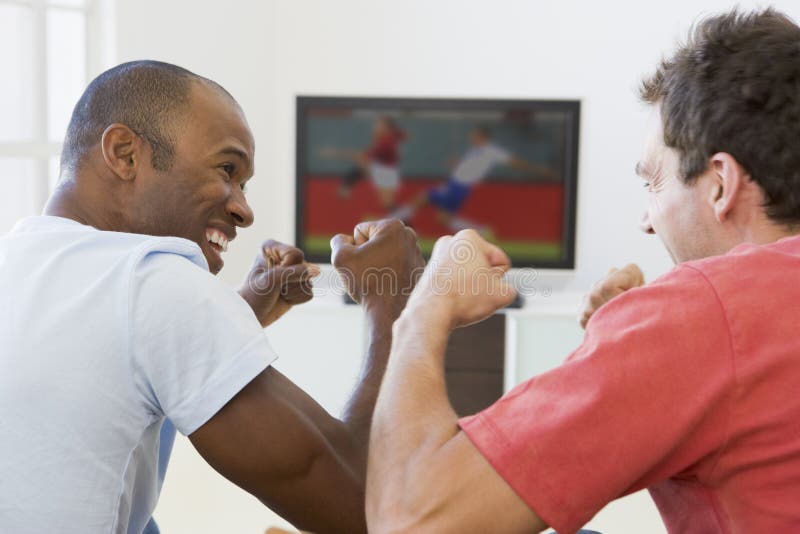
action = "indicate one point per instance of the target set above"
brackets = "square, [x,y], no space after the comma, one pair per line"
[538,339]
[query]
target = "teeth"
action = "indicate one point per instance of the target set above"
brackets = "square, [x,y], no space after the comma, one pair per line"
[217,237]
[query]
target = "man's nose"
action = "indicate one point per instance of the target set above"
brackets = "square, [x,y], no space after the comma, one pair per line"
[644,224]
[240,210]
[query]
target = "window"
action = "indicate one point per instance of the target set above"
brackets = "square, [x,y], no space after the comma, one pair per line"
[48,50]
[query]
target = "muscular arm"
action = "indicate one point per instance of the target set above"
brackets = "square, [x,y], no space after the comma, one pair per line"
[276,442]
[425,476]
[360,407]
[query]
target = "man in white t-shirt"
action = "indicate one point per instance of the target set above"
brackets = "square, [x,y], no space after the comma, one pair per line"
[474,166]
[111,322]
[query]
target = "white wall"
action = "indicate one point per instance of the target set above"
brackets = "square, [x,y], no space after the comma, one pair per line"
[266,52]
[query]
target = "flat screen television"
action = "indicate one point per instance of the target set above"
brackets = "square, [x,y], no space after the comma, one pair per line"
[507,168]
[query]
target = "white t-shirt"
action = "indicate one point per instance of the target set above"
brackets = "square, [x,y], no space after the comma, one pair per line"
[102,335]
[477,163]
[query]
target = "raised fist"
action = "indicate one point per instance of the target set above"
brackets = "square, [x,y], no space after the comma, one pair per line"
[615,283]
[381,261]
[465,279]
[279,279]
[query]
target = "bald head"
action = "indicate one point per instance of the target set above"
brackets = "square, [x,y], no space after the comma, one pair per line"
[152,98]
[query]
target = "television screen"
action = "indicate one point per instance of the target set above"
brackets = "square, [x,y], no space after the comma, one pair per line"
[506,168]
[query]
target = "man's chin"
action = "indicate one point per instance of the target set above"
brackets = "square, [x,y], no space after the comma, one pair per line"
[214,260]
[215,264]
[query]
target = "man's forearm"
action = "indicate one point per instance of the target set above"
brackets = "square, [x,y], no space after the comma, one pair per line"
[413,417]
[414,389]
[357,416]
[425,475]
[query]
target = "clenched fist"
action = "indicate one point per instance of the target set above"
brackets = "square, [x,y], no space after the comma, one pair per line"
[380,262]
[279,279]
[616,282]
[465,280]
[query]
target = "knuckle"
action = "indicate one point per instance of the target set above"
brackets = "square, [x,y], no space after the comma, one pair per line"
[468,233]
[633,271]
[632,268]
[395,226]
[606,287]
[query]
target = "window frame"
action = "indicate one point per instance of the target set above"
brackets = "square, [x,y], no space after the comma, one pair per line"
[99,55]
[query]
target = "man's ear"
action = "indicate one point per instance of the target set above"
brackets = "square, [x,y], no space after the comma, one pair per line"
[122,150]
[728,179]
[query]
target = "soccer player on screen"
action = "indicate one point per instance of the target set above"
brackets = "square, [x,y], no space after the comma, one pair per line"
[472,169]
[379,162]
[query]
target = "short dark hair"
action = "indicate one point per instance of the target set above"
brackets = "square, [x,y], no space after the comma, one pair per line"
[734,87]
[150,97]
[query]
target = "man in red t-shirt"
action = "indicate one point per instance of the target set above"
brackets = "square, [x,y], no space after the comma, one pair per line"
[686,386]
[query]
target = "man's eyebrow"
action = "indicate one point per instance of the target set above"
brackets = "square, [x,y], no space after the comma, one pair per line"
[244,156]
[640,170]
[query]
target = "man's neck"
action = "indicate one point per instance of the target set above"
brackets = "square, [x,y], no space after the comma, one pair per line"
[768,231]
[69,202]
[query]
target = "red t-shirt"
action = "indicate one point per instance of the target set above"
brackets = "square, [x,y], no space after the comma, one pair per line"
[385,148]
[689,386]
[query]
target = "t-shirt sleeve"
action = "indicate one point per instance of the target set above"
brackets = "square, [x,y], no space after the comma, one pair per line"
[645,397]
[194,342]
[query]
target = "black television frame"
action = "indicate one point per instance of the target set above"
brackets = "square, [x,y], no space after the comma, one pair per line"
[572,107]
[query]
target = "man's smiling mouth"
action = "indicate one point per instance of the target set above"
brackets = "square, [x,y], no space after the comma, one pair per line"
[217,240]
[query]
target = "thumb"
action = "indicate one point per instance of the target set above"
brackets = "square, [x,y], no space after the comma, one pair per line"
[636,273]
[290,274]
[342,240]
[341,244]
[497,258]
[364,231]
[631,276]
[314,270]
[506,292]
[291,256]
